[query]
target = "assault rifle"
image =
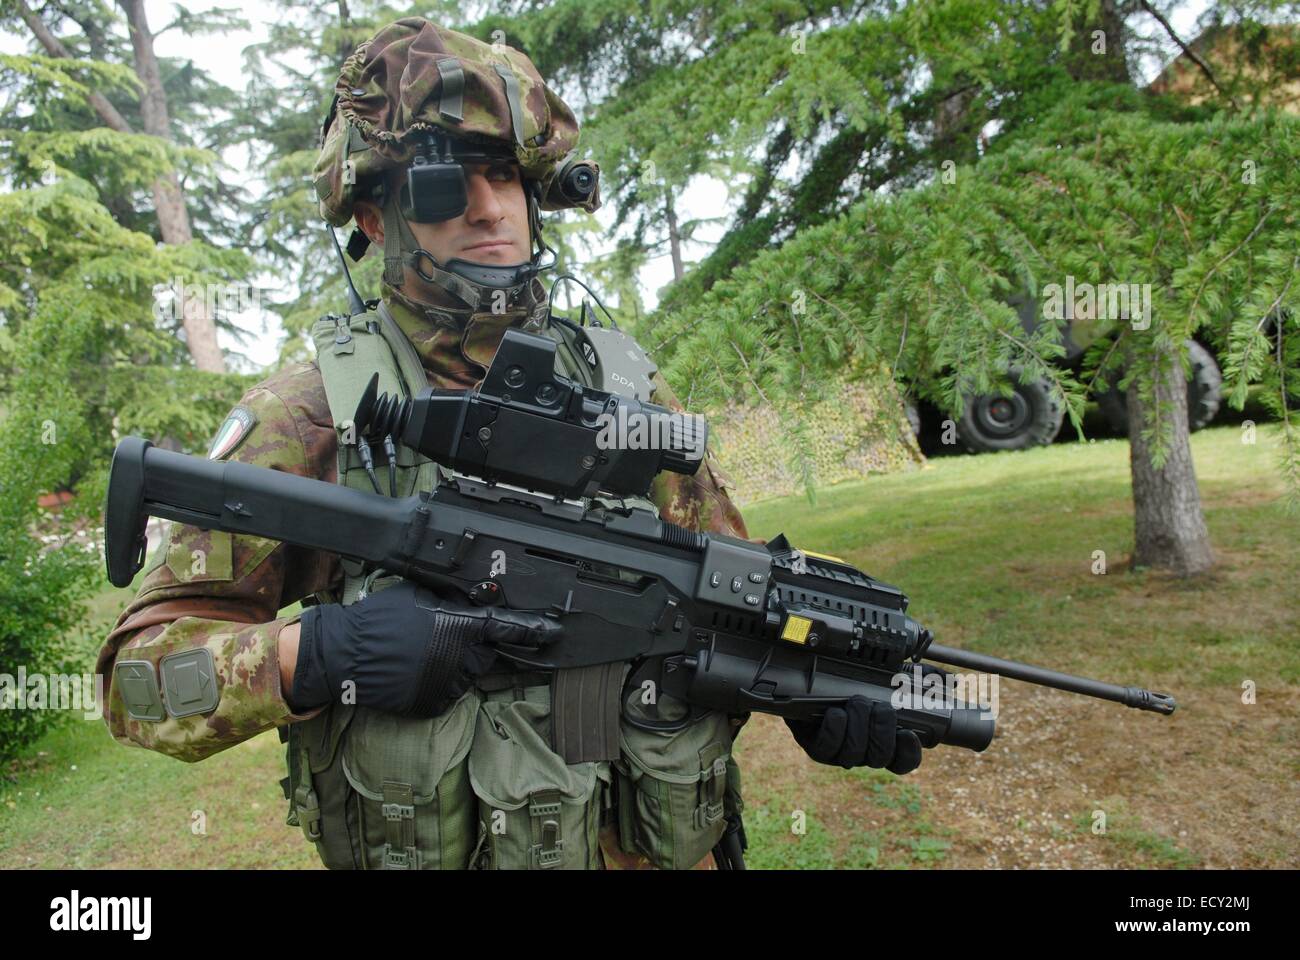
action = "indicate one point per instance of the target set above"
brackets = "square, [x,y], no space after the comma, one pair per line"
[532,516]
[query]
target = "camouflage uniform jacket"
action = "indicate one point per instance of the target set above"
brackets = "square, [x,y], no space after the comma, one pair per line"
[206,588]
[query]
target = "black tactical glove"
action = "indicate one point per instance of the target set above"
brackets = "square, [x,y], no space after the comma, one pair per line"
[861,733]
[406,651]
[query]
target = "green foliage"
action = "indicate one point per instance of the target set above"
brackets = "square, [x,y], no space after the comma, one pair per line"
[71,77]
[866,97]
[42,442]
[40,585]
[920,280]
[47,116]
[85,359]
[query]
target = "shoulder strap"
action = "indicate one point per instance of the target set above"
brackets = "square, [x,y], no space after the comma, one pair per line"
[349,352]
[408,361]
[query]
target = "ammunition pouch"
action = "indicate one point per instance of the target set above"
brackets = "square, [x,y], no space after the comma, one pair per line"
[392,793]
[535,811]
[675,790]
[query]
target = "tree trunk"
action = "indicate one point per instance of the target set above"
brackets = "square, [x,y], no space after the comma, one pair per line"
[55,48]
[169,201]
[1103,57]
[952,133]
[674,239]
[1168,524]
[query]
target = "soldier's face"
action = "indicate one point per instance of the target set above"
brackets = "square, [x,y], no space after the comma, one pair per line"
[492,230]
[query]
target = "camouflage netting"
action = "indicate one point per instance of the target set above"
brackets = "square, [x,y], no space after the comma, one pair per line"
[861,429]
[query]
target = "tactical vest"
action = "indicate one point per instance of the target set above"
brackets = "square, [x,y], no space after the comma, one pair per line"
[483,785]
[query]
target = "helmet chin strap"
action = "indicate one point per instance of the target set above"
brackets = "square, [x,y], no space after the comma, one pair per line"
[477,284]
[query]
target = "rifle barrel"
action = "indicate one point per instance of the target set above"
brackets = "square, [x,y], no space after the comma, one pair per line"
[1136,697]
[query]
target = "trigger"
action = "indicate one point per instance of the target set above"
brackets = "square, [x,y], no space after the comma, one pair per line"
[486,593]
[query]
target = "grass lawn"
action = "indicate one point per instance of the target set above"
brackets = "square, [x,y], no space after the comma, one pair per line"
[81,799]
[997,554]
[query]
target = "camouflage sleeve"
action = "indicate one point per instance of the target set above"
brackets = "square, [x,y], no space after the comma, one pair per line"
[214,591]
[699,502]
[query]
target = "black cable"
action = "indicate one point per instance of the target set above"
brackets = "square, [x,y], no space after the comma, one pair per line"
[391,451]
[568,323]
[535,228]
[568,276]
[368,461]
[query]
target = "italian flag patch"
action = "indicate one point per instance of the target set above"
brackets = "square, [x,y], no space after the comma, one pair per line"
[232,431]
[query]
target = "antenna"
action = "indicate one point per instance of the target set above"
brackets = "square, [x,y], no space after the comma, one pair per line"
[356,305]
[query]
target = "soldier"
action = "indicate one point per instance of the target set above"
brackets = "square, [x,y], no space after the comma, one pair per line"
[410,743]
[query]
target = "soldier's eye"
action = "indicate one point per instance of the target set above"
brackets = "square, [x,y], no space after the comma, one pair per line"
[502,172]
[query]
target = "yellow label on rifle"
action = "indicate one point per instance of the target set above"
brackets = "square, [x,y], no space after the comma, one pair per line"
[796,629]
[823,556]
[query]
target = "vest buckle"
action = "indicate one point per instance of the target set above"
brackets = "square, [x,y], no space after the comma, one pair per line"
[545,807]
[308,811]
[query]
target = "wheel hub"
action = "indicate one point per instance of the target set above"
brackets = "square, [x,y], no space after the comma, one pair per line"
[1002,416]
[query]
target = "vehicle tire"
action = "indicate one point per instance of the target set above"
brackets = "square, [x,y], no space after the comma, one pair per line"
[1204,393]
[1030,417]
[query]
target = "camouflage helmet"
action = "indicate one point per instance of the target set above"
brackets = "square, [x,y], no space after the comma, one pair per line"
[413,76]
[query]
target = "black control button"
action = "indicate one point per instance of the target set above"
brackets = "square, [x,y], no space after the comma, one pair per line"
[751,599]
[735,585]
[757,577]
[715,578]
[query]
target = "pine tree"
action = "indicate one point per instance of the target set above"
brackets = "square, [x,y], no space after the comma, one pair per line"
[920,281]
[159,89]
[88,350]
